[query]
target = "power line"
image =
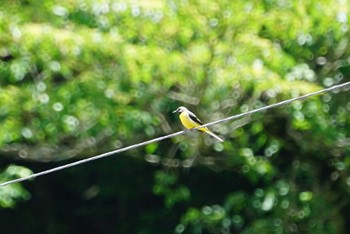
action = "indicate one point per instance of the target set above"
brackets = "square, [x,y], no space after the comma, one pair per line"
[332,88]
[336,87]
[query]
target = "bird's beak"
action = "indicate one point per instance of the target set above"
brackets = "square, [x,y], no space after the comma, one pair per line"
[174,111]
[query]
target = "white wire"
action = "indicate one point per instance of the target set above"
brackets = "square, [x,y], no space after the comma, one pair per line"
[336,87]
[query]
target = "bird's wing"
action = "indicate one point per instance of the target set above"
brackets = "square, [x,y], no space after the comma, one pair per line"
[194,118]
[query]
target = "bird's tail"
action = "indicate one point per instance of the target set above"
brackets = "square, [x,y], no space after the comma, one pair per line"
[213,135]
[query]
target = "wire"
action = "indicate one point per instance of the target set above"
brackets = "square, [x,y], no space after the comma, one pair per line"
[336,87]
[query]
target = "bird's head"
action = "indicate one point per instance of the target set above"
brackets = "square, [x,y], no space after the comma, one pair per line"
[180,110]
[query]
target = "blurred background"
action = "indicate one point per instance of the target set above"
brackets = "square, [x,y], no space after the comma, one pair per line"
[80,78]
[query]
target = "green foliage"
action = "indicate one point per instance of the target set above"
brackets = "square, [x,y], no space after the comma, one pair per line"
[165,185]
[78,78]
[11,194]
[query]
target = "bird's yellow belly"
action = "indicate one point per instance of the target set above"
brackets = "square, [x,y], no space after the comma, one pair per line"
[188,123]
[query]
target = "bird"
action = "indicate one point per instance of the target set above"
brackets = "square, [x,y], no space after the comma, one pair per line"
[190,120]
